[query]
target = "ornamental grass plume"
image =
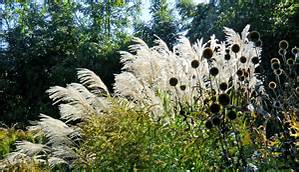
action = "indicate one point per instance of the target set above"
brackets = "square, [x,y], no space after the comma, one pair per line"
[203,107]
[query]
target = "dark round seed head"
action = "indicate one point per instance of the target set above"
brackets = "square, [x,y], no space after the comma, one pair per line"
[275,66]
[277,71]
[209,124]
[295,50]
[195,64]
[214,71]
[235,48]
[275,60]
[173,81]
[243,59]
[232,115]
[239,72]
[258,43]
[290,62]
[253,36]
[216,120]
[255,60]
[214,108]
[183,87]
[223,86]
[207,53]
[272,85]
[227,51]
[283,44]
[227,57]
[224,99]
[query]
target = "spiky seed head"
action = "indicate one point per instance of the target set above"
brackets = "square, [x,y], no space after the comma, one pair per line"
[209,124]
[183,87]
[216,120]
[295,50]
[173,81]
[195,64]
[227,57]
[207,53]
[278,72]
[223,86]
[243,59]
[258,43]
[224,99]
[214,108]
[232,115]
[283,44]
[253,36]
[255,60]
[290,62]
[272,85]
[236,48]
[214,71]
[275,66]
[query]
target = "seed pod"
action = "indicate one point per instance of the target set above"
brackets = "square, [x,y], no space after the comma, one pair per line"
[195,64]
[278,72]
[290,62]
[223,86]
[243,59]
[275,60]
[255,60]
[207,53]
[214,108]
[224,99]
[216,120]
[214,71]
[239,72]
[232,115]
[258,43]
[283,44]
[183,87]
[253,36]
[275,66]
[295,50]
[272,85]
[209,124]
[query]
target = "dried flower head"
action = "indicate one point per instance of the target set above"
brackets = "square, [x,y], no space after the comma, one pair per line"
[275,66]
[253,36]
[283,44]
[239,72]
[272,85]
[194,64]
[282,52]
[214,108]
[243,59]
[227,56]
[209,124]
[258,43]
[295,50]
[223,86]
[278,72]
[173,81]
[224,99]
[214,71]
[255,60]
[183,87]
[207,53]
[236,48]
[216,120]
[275,60]
[290,62]
[232,115]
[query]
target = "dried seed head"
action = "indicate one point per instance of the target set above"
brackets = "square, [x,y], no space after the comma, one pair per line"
[214,108]
[216,120]
[227,57]
[295,50]
[195,64]
[239,72]
[272,85]
[278,72]
[236,48]
[232,115]
[223,86]
[224,99]
[283,44]
[255,60]
[173,81]
[275,66]
[207,53]
[275,60]
[253,36]
[282,52]
[183,87]
[209,124]
[290,62]
[243,59]
[214,71]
